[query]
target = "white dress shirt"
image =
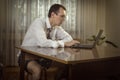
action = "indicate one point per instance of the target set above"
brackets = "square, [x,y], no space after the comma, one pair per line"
[36,35]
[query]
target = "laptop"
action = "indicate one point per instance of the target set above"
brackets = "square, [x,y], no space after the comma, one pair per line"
[89,46]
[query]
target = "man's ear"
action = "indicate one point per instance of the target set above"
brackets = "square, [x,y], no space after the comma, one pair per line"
[52,14]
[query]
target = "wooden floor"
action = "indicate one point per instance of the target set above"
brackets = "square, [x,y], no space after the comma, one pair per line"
[12,73]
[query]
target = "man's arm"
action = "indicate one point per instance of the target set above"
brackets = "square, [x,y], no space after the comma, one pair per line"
[70,43]
[65,37]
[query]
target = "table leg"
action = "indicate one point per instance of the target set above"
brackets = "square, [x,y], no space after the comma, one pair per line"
[70,72]
[22,65]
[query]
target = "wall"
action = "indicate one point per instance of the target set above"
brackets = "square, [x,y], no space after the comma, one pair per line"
[113,20]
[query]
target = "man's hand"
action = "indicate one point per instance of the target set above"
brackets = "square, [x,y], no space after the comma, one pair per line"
[68,44]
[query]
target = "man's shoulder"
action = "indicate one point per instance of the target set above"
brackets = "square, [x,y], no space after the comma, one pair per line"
[40,19]
[38,22]
[59,27]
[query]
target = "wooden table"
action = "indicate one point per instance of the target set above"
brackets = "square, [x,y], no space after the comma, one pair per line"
[70,56]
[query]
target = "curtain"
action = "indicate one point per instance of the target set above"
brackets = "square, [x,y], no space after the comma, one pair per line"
[84,18]
[90,18]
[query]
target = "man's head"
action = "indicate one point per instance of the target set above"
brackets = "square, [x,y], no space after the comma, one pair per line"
[57,14]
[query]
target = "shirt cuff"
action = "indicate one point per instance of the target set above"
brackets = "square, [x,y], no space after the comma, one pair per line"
[61,43]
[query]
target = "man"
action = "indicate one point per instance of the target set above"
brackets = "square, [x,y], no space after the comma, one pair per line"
[39,34]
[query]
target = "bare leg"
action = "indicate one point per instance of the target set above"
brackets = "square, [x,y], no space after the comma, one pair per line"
[29,76]
[35,69]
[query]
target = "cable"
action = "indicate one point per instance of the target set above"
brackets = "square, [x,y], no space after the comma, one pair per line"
[109,42]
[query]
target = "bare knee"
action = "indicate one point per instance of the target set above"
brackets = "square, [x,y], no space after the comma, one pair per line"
[36,73]
[35,69]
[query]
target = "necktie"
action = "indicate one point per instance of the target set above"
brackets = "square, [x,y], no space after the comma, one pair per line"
[48,33]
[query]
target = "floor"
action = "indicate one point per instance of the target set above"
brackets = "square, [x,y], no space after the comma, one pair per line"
[12,73]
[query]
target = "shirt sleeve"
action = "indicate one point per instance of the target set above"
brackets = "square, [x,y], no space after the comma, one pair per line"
[62,35]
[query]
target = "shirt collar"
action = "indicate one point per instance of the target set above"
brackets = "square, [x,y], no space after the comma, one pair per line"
[48,23]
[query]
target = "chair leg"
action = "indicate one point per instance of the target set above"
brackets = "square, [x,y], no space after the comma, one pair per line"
[1,71]
[43,75]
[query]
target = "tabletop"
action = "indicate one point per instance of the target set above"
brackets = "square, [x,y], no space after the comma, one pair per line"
[74,55]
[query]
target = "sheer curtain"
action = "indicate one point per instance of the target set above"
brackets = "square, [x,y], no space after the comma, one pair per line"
[84,18]
[90,18]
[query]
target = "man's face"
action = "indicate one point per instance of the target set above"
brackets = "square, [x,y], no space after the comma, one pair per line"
[59,17]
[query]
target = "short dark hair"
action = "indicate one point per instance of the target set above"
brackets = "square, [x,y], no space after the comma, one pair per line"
[55,8]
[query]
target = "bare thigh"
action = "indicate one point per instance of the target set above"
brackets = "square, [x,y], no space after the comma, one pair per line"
[34,67]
